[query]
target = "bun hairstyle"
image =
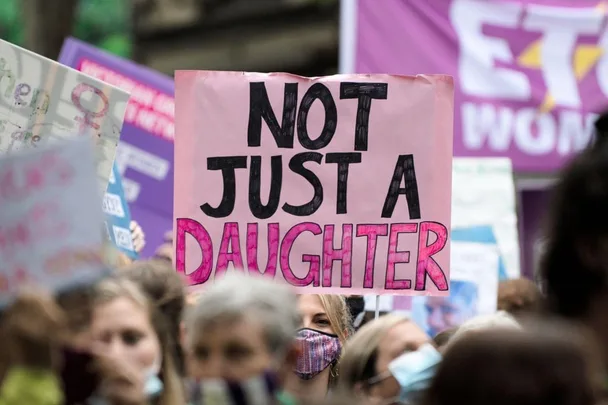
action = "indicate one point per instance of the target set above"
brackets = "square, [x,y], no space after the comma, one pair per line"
[574,266]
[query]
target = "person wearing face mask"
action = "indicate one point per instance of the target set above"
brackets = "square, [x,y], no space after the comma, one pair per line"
[125,325]
[326,324]
[240,342]
[388,361]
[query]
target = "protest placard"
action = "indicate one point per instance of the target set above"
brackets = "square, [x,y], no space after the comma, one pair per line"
[336,184]
[51,219]
[118,215]
[42,101]
[145,154]
[474,274]
[483,193]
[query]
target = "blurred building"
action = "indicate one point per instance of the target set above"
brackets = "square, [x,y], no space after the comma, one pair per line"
[297,36]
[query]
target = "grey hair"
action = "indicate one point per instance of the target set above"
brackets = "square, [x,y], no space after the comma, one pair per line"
[238,296]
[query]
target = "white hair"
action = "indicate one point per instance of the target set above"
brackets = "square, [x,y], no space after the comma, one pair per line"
[497,320]
[237,296]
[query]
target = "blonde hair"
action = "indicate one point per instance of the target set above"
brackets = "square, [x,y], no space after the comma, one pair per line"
[111,289]
[358,361]
[338,315]
[340,320]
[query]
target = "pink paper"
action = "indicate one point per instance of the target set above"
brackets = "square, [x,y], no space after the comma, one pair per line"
[359,138]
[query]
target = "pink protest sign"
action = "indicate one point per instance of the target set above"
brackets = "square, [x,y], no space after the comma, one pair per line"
[333,185]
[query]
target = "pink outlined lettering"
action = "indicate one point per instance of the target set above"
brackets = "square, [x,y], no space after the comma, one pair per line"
[273,249]
[230,249]
[194,228]
[371,231]
[343,254]
[314,271]
[395,256]
[89,116]
[426,263]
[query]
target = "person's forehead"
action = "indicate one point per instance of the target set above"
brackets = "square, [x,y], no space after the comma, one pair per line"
[229,330]
[310,305]
[403,336]
[121,312]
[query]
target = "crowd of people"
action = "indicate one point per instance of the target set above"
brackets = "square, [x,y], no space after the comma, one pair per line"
[138,337]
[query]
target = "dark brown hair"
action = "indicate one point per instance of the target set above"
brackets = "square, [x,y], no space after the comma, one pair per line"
[518,296]
[574,265]
[548,366]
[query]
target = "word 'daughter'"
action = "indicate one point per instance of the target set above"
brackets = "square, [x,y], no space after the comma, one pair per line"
[345,192]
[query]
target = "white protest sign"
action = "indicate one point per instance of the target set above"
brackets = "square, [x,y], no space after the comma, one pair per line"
[477,263]
[42,101]
[483,193]
[51,218]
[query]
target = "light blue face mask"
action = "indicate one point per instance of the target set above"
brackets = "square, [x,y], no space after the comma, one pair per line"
[414,371]
[153,386]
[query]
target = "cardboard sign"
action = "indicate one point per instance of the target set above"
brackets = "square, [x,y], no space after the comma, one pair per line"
[333,185]
[50,219]
[118,216]
[145,154]
[42,101]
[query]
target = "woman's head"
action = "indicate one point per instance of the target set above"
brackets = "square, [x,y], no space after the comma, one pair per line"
[122,324]
[241,327]
[367,355]
[550,366]
[326,313]
[326,324]
[165,288]
[126,325]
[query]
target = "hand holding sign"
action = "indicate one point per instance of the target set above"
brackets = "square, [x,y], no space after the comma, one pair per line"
[368,155]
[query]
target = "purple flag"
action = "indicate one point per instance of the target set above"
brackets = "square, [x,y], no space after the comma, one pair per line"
[531,75]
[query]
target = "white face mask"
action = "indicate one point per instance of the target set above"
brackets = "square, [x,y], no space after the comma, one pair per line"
[259,390]
[153,385]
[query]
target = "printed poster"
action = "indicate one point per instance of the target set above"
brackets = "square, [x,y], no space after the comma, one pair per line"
[145,155]
[473,285]
[338,184]
[42,102]
[50,219]
[118,216]
[531,75]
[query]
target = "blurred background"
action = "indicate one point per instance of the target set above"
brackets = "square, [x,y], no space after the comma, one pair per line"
[513,102]
[297,36]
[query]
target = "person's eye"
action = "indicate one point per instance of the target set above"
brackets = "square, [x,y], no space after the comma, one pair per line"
[201,353]
[131,338]
[237,352]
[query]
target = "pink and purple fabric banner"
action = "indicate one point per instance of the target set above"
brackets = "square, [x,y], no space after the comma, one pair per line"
[531,76]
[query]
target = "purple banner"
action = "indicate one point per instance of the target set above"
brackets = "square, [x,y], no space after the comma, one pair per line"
[530,75]
[145,154]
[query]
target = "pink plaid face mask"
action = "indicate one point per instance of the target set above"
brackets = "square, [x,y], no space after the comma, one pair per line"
[318,351]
